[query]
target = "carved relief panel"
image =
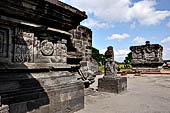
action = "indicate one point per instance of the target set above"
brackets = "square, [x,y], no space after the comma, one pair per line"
[23,48]
[61,51]
[39,49]
[4,42]
[137,53]
[147,54]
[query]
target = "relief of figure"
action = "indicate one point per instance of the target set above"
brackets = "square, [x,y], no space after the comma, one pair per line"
[109,65]
[136,54]
[61,51]
[23,50]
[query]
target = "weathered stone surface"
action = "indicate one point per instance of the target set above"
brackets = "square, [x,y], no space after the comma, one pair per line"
[111,82]
[35,73]
[147,57]
[4,109]
[109,64]
[39,90]
[82,41]
[52,14]
[112,85]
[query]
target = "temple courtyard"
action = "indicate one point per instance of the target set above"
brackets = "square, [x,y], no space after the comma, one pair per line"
[145,94]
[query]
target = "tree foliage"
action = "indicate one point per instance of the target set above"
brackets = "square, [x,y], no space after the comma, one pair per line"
[97,56]
[128,59]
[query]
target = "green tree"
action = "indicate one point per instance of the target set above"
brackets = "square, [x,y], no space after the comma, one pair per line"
[128,60]
[97,56]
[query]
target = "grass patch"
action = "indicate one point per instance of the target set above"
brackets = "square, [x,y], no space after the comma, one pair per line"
[101,68]
[167,70]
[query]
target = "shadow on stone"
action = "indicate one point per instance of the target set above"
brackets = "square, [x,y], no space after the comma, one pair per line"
[21,91]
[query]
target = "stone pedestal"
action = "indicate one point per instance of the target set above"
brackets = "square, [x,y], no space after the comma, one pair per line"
[112,85]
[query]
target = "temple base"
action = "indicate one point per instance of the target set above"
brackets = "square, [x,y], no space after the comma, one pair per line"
[112,85]
[147,69]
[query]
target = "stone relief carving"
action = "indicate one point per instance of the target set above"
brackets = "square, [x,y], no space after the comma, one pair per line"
[28,48]
[150,54]
[4,40]
[47,48]
[1,42]
[61,51]
[23,49]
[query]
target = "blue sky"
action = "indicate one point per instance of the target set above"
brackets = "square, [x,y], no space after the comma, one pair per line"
[124,23]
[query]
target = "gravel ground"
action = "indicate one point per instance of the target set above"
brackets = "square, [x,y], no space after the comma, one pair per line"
[145,94]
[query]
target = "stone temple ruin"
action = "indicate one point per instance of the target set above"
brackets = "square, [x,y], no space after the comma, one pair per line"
[147,58]
[43,53]
[111,82]
[82,41]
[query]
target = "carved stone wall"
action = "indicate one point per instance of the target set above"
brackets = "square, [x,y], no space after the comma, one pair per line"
[35,76]
[49,92]
[147,56]
[82,41]
[4,42]
[33,48]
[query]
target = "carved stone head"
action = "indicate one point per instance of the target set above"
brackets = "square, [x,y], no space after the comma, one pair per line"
[109,53]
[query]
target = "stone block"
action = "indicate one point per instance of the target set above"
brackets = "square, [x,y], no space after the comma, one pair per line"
[112,85]
[4,109]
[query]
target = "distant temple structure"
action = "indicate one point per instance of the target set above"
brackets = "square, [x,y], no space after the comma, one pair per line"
[147,58]
[45,56]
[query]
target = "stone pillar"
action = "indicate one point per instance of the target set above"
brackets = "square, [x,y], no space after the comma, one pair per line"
[111,82]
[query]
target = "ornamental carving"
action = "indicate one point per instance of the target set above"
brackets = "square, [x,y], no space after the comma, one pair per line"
[47,48]
[23,48]
[147,55]
[1,42]
[4,42]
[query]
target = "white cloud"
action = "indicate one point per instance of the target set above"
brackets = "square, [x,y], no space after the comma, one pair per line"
[102,51]
[145,12]
[118,37]
[166,53]
[123,10]
[166,40]
[94,23]
[139,40]
[62,0]
[168,24]
[119,55]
